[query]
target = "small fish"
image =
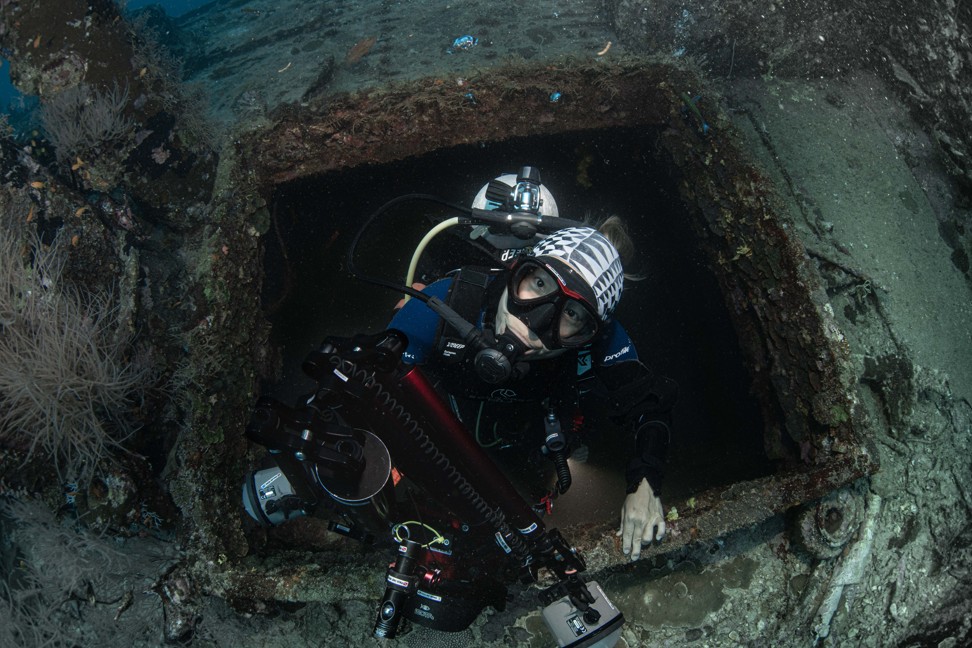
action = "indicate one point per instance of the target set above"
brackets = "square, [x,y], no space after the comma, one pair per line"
[30,214]
[77,164]
[37,184]
[360,49]
[74,240]
[81,210]
[692,104]
[37,41]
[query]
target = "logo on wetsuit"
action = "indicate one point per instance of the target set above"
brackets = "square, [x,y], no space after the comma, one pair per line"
[583,362]
[617,354]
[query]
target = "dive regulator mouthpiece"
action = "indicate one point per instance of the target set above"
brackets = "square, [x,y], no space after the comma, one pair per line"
[529,174]
[497,364]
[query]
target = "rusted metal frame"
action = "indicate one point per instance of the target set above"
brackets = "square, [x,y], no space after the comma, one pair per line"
[782,336]
[798,357]
[393,123]
[723,510]
[714,513]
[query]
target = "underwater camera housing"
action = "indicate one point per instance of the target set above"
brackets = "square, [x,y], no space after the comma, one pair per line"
[391,414]
[370,412]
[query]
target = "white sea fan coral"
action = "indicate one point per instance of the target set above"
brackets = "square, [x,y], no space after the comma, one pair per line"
[66,382]
[82,122]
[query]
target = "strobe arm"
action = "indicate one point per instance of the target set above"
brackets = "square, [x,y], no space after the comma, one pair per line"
[336,449]
[552,552]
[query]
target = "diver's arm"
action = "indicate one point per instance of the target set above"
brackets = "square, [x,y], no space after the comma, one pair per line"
[642,513]
[640,400]
[420,323]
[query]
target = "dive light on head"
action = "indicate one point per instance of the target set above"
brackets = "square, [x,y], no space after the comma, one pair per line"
[526,192]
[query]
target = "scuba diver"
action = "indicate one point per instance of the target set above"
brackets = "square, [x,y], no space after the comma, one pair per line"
[386,441]
[549,318]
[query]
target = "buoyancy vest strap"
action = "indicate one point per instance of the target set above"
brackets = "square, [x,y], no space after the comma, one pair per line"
[466,295]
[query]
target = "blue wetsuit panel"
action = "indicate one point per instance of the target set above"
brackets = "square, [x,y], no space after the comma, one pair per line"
[419,323]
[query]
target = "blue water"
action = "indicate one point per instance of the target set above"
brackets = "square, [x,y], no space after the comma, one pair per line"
[172,7]
[8,93]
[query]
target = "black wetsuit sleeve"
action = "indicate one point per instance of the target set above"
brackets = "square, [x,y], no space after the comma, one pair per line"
[642,401]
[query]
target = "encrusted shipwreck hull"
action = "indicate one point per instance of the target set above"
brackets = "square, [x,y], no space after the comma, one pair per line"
[202,245]
[792,347]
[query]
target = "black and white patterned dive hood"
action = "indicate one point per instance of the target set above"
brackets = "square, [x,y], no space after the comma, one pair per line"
[592,255]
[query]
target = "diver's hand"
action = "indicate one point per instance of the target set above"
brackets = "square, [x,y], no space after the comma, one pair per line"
[642,520]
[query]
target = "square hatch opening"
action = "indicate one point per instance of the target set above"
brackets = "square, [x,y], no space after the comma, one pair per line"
[675,313]
[731,307]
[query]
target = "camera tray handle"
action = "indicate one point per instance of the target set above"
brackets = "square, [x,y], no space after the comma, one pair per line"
[279,427]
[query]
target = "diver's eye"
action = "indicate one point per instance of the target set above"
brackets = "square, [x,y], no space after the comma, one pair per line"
[574,320]
[537,283]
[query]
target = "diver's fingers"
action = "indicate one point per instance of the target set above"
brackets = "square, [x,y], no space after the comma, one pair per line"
[627,537]
[648,533]
[636,541]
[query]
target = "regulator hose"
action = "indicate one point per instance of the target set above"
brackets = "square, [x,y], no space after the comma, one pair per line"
[563,471]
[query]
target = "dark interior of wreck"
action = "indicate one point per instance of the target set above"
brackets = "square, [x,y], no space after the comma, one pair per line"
[675,315]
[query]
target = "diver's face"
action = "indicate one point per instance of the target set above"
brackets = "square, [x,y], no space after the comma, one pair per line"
[574,318]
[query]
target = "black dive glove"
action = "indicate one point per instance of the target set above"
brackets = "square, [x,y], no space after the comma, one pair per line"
[651,448]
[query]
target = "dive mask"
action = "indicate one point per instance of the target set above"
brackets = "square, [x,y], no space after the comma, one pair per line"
[554,301]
